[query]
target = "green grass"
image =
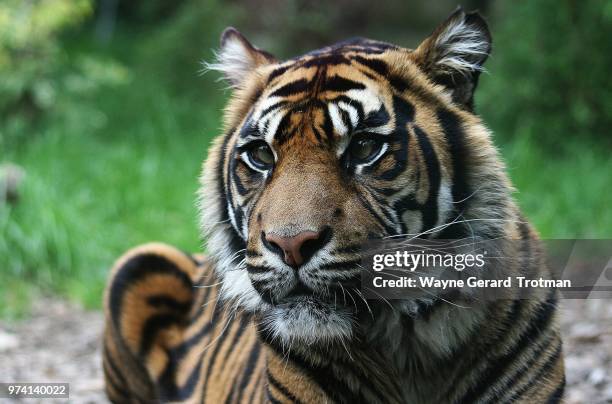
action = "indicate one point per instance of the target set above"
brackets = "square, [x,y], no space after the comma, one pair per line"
[124,171]
[92,193]
[564,193]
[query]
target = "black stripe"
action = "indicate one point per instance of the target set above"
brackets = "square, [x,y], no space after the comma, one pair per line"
[281,388]
[389,191]
[238,217]
[295,87]
[282,133]
[557,395]
[538,324]
[258,269]
[183,349]
[377,65]
[167,301]
[541,373]
[342,265]
[317,134]
[370,76]
[525,367]
[219,343]
[452,127]
[135,269]
[331,59]
[388,229]
[509,321]
[346,118]
[322,376]
[114,373]
[328,126]
[271,398]
[378,197]
[271,108]
[152,327]
[110,382]
[398,83]
[404,113]
[247,372]
[242,325]
[342,84]
[430,208]
[382,204]
[353,248]
[401,85]
[257,389]
[252,177]
[263,288]
[248,129]
[277,72]
[236,242]
[235,341]
[375,119]
[353,103]
[169,391]
[407,202]
[202,298]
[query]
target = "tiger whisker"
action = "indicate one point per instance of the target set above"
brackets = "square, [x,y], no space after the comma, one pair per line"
[230,319]
[382,298]
[365,301]
[208,286]
[444,300]
[353,299]
[443,226]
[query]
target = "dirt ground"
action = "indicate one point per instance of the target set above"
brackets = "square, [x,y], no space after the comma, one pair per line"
[61,343]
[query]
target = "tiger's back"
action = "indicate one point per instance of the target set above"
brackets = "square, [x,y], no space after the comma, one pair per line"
[165,331]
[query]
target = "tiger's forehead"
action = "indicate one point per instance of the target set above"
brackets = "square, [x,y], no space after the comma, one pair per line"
[324,96]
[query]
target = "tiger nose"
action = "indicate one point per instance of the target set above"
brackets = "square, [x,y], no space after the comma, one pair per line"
[295,250]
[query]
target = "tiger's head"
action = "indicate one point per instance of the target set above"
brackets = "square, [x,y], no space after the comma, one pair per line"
[354,141]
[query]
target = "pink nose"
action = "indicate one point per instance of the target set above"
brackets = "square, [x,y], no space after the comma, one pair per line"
[295,249]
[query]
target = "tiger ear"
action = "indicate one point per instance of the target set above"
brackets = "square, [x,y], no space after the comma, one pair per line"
[237,57]
[454,54]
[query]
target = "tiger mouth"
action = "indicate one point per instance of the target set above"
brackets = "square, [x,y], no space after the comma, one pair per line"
[299,292]
[301,296]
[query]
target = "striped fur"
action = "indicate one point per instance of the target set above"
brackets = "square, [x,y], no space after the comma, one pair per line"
[241,325]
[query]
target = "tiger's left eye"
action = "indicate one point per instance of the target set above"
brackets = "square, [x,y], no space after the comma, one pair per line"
[363,149]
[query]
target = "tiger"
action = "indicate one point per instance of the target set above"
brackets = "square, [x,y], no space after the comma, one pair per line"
[353,142]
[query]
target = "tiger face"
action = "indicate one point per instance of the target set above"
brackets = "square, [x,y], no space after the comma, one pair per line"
[356,141]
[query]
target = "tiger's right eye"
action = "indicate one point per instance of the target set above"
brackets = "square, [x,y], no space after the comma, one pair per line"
[261,155]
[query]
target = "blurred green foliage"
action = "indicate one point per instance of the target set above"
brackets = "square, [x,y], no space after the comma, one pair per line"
[550,71]
[112,135]
[172,39]
[39,79]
